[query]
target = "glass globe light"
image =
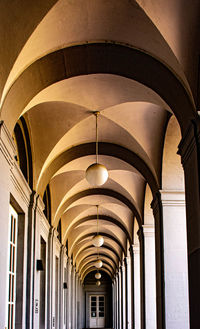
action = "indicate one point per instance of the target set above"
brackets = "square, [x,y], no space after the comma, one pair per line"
[97,240]
[98,283]
[96,174]
[98,275]
[98,263]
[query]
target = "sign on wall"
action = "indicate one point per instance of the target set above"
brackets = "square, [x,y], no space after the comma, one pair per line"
[36,306]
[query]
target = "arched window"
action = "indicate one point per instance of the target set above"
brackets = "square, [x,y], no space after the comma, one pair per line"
[24,155]
[47,203]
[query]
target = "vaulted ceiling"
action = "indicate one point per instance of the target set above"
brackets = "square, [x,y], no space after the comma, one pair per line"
[65,59]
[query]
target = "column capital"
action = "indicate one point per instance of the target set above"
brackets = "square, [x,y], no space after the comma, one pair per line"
[148,230]
[7,145]
[189,141]
[135,248]
[55,233]
[40,204]
[156,203]
[114,279]
[63,250]
[69,263]
[122,268]
[172,197]
[140,233]
[126,261]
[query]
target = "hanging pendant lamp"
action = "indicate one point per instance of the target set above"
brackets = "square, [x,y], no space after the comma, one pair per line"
[98,263]
[98,275]
[98,283]
[97,240]
[96,174]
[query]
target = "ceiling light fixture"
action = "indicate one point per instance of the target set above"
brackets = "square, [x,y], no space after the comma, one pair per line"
[98,283]
[98,263]
[98,275]
[96,174]
[97,240]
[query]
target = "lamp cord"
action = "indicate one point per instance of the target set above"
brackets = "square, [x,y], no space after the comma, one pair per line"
[97,219]
[96,114]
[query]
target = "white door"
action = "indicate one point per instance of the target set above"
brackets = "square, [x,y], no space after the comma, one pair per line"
[97,311]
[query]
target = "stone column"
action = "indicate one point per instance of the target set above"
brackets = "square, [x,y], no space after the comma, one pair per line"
[116,302]
[69,297]
[123,277]
[65,292]
[30,299]
[50,278]
[189,149]
[61,295]
[76,300]
[120,299]
[150,279]
[142,278]
[128,292]
[175,255]
[113,303]
[120,312]
[160,282]
[73,297]
[137,283]
[132,289]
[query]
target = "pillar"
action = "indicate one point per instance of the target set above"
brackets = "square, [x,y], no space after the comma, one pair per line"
[137,301]
[30,299]
[128,292]
[123,287]
[73,297]
[160,281]
[118,300]
[113,303]
[142,278]
[150,280]
[132,289]
[62,292]
[175,256]
[189,149]
[69,297]
[49,278]
[77,310]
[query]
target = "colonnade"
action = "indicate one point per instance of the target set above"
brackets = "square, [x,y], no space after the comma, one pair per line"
[59,286]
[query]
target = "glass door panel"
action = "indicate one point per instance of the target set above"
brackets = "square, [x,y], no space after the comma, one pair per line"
[97,311]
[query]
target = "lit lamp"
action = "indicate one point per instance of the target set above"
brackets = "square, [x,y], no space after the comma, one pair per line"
[98,283]
[96,174]
[97,240]
[98,275]
[98,263]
